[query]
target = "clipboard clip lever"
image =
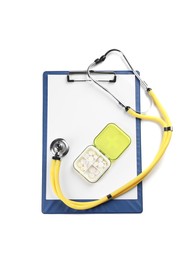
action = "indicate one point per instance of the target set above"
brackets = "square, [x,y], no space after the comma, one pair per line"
[81,76]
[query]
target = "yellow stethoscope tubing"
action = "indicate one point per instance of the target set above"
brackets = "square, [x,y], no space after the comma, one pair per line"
[163,122]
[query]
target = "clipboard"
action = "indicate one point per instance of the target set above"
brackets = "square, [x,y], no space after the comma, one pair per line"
[76,110]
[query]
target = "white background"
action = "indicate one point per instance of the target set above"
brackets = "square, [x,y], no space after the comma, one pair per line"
[59,35]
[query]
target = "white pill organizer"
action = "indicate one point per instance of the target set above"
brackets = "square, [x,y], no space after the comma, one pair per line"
[95,160]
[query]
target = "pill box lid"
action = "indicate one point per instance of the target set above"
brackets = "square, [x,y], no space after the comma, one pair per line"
[112,141]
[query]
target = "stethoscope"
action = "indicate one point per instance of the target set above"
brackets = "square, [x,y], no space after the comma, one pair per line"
[60,148]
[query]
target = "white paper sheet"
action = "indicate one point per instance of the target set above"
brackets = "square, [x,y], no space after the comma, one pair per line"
[77,112]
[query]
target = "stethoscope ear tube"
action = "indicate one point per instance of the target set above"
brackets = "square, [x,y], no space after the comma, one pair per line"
[102,59]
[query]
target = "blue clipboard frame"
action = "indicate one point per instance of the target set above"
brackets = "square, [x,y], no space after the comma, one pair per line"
[113,206]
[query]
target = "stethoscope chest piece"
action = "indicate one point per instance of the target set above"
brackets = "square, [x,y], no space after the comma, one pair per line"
[59,147]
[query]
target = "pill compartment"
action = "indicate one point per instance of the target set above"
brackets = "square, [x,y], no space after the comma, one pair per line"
[92,164]
[96,159]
